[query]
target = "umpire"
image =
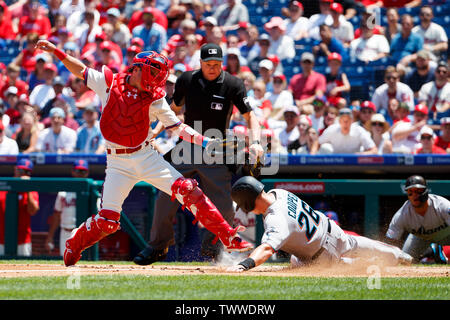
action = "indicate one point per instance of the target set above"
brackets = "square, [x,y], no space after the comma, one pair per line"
[208,96]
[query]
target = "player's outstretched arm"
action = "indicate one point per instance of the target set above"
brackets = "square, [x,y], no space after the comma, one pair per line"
[256,258]
[75,66]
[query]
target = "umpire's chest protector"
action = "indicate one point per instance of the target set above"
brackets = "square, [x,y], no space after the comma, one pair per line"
[125,118]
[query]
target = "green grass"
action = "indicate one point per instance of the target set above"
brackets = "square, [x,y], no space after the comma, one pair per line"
[213,287]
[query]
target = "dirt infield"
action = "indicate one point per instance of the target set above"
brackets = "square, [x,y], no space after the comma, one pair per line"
[44,270]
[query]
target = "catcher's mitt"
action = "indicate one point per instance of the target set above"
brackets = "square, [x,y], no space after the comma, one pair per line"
[217,147]
[250,169]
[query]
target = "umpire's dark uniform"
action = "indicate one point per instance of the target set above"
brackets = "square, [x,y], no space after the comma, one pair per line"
[209,104]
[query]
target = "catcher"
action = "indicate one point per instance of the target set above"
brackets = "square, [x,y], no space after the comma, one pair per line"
[131,101]
[309,236]
[206,98]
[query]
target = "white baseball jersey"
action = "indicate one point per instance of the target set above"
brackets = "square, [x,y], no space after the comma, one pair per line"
[433,226]
[293,226]
[434,97]
[408,144]
[358,139]
[9,146]
[125,170]
[344,32]
[48,141]
[287,137]
[433,35]
[294,28]
[159,110]
[369,49]
[403,94]
[66,203]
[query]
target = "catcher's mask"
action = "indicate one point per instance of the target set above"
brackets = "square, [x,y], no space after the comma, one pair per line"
[245,191]
[419,183]
[155,69]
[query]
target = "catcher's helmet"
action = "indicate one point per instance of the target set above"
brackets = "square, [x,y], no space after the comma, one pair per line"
[155,69]
[245,191]
[419,182]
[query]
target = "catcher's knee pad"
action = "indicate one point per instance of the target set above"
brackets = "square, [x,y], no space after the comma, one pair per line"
[107,221]
[188,189]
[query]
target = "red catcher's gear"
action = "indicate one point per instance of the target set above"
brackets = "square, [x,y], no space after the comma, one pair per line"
[125,118]
[155,69]
[90,232]
[206,212]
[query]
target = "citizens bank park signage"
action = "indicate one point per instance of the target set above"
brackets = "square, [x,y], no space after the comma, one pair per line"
[301,187]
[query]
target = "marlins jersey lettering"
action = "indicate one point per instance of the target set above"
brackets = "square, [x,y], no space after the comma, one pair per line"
[293,226]
[433,226]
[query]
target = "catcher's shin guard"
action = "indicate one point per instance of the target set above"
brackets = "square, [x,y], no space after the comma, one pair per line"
[193,198]
[90,232]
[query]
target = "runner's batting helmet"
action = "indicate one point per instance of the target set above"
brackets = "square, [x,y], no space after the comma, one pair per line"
[245,191]
[419,182]
[155,69]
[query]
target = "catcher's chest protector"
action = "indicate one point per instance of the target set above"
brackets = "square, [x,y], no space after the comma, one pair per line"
[125,118]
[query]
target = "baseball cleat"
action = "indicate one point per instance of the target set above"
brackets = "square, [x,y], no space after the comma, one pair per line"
[149,256]
[438,253]
[71,254]
[239,245]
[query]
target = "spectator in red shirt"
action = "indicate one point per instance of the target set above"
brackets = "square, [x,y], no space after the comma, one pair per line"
[136,19]
[427,139]
[443,140]
[6,27]
[26,58]
[34,22]
[107,58]
[308,84]
[28,206]
[12,80]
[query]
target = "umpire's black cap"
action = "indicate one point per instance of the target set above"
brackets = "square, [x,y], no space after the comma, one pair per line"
[245,191]
[211,51]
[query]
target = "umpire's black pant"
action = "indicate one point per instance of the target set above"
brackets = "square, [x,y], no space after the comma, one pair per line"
[215,181]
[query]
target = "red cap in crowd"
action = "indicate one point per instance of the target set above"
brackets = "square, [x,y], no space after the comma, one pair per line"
[106,45]
[244,25]
[421,108]
[337,7]
[100,36]
[279,76]
[137,42]
[134,49]
[297,4]
[369,105]
[50,66]
[335,56]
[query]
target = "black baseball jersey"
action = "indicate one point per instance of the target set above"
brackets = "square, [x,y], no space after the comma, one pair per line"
[210,102]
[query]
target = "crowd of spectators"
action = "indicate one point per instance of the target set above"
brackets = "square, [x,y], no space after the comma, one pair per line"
[43,108]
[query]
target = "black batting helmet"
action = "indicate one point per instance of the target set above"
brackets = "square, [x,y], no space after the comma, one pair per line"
[419,182]
[245,191]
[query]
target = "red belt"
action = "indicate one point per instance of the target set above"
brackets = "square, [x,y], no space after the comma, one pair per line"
[128,150]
